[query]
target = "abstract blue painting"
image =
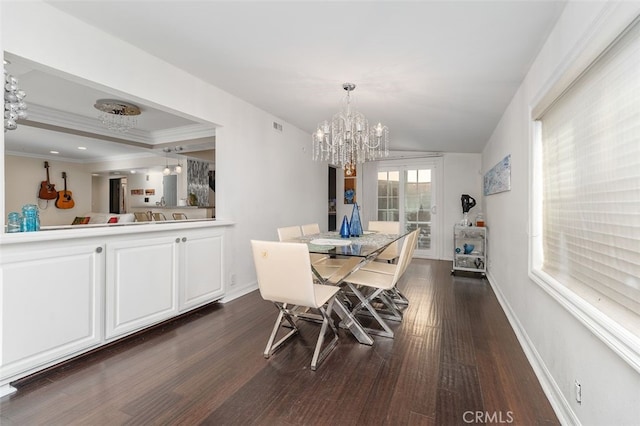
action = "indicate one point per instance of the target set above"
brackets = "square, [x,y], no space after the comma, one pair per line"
[498,179]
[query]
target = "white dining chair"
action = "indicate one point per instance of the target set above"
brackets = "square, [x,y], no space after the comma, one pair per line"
[285,278]
[289,232]
[323,265]
[390,268]
[368,286]
[310,229]
[390,254]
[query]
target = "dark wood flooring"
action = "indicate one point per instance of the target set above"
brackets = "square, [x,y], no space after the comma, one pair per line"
[454,361]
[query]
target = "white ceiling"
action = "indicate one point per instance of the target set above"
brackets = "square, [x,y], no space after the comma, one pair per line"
[438,73]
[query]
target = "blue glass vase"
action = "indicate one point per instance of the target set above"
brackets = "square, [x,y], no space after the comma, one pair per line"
[344,229]
[355,229]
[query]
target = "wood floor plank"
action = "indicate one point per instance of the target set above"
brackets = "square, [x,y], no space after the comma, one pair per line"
[454,352]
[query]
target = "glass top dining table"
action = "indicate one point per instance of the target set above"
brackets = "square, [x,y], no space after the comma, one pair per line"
[365,246]
[358,251]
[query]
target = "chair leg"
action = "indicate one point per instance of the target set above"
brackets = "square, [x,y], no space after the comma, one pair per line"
[318,356]
[398,297]
[391,312]
[365,303]
[282,315]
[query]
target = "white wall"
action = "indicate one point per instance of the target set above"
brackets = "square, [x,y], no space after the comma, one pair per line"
[560,347]
[146,181]
[100,194]
[264,178]
[461,175]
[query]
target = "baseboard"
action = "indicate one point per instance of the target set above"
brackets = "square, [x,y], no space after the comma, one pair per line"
[238,292]
[555,396]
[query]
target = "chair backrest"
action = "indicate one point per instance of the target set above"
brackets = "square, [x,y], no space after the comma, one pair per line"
[289,232]
[413,239]
[179,216]
[284,272]
[310,229]
[384,227]
[404,258]
[141,217]
[387,228]
[159,216]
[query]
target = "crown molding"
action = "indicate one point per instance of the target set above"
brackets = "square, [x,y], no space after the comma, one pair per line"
[62,119]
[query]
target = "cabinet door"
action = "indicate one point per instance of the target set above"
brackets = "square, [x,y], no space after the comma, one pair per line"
[202,269]
[142,283]
[50,306]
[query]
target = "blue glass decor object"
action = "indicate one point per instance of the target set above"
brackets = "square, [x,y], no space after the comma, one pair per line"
[14,222]
[355,230]
[30,218]
[344,229]
[468,248]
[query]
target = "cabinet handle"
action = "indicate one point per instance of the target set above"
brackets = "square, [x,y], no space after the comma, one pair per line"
[98,249]
[184,239]
[177,240]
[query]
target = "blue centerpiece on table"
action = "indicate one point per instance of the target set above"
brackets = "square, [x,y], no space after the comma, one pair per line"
[344,228]
[355,229]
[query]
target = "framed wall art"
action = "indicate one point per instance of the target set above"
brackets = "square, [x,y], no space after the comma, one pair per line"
[498,178]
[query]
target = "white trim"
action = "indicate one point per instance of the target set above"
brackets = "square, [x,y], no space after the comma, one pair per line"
[7,390]
[616,337]
[556,398]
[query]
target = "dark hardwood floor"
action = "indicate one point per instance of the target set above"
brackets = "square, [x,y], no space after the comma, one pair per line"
[454,361]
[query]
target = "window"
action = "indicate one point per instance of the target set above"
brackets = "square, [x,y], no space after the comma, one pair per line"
[586,236]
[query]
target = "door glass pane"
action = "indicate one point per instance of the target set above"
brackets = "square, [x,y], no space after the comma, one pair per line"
[388,195]
[417,205]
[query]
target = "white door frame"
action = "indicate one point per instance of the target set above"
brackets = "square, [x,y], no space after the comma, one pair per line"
[436,166]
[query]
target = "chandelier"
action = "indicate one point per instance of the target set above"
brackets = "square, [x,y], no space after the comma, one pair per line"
[14,106]
[117,116]
[348,139]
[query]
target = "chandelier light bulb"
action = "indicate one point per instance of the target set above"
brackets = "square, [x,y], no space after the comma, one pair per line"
[178,169]
[166,171]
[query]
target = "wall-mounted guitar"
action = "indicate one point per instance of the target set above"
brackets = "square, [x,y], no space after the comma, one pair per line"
[47,189]
[64,200]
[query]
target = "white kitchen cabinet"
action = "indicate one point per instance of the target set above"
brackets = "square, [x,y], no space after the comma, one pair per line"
[152,279]
[470,249]
[200,268]
[51,303]
[141,283]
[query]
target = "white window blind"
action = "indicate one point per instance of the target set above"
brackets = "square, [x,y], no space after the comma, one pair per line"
[591,178]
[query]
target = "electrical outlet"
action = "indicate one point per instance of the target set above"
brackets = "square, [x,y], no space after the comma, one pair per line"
[578,392]
[233,280]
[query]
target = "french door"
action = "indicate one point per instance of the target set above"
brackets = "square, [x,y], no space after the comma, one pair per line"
[407,194]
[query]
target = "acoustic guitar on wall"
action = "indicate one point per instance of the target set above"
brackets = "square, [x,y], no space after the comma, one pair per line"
[47,189]
[64,200]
